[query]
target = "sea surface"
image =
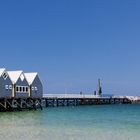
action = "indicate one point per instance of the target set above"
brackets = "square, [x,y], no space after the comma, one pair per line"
[97,122]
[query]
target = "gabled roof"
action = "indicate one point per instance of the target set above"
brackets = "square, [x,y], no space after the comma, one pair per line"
[14,75]
[30,77]
[2,70]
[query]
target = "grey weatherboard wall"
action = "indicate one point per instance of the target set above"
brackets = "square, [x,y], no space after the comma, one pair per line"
[37,83]
[21,83]
[3,91]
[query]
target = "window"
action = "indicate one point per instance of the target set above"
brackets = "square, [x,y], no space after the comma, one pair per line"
[20,89]
[4,75]
[10,86]
[35,88]
[23,88]
[17,89]
[26,89]
[32,88]
[6,87]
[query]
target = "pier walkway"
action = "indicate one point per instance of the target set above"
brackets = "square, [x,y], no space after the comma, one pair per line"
[55,100]
[77,99]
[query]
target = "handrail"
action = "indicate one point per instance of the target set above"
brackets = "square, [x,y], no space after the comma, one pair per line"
[78,96]
[73,96]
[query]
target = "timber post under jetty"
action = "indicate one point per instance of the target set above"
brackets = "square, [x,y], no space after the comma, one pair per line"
[19,104]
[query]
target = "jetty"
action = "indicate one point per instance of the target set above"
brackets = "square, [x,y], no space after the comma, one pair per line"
[83,99]
[56,100]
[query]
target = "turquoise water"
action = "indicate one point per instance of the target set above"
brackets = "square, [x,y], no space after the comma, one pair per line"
[106,122]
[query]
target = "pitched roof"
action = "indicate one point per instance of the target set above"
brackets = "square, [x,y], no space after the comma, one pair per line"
[14,75]
[2,70]
[30,77]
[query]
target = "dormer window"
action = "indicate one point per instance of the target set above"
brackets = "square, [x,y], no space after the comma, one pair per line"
[4,75]
[22,77]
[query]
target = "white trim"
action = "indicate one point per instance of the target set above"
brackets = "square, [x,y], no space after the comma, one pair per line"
[5,75]
[10,86]
[6,87]
[34,88]
[19,89]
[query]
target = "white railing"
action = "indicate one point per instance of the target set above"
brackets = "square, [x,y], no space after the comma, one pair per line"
[133,98]
[72,96]
[119,97]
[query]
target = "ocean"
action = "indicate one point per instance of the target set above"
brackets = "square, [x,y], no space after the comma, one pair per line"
[96,122]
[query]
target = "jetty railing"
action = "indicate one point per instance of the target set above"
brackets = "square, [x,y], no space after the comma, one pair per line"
[83,96]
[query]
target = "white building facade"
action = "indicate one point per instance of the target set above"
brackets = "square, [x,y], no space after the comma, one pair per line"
[17,84]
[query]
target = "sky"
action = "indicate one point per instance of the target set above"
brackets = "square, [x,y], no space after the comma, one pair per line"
[72,43]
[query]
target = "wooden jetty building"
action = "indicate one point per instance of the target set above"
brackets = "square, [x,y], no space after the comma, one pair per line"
[20,84]
[16,92]
[35,86]
[5,84]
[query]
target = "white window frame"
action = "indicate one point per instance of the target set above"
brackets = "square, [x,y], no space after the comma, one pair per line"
[10,87]
[17,88]
[6,87]
[21,87]
[36,88]
[33,88]
[26,89]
